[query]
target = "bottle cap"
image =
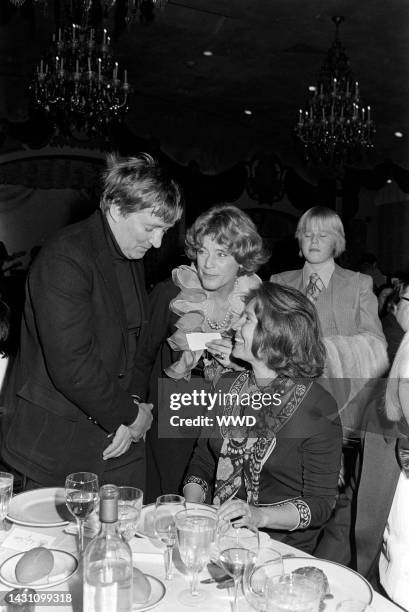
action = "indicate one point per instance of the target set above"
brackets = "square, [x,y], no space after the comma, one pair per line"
[108,504]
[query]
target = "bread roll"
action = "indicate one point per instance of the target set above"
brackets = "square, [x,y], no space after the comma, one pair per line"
[35,564]
[141,587]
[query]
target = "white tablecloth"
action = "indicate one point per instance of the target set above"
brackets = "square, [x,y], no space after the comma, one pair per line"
[219,600]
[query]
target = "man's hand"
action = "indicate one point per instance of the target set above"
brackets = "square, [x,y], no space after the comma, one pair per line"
[120,444]
[124,436]
[142,423]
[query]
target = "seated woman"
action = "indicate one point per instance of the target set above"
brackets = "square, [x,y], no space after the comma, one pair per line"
[284,473]
[225,250]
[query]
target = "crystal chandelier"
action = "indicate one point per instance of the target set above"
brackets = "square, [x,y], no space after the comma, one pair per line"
[335,128]
[130,8]
[79,85]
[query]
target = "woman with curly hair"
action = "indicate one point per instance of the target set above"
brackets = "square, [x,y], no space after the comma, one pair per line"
[226,251]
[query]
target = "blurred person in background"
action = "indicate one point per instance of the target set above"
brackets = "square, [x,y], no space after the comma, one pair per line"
[4,333]
[390,321]
[382,521]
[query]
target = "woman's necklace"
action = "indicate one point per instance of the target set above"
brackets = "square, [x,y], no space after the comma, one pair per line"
[225,322]
[220,324]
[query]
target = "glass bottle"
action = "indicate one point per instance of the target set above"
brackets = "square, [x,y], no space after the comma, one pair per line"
[108,561]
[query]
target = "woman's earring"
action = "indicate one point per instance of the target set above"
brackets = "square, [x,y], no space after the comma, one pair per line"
[300,253]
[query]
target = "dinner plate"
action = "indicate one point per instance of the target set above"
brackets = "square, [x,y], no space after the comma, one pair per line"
[342,580]
[146,526]
[65,565]
[40,508]
[158,591]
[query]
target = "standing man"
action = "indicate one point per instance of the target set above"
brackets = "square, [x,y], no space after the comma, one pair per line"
[73,400]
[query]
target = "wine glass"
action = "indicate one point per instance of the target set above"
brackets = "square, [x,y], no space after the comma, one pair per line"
[81,497]
[230,535]
[238,549]
[255,579]
[292,592]
[129,510]
[166,507]
[6,491]
[196,533]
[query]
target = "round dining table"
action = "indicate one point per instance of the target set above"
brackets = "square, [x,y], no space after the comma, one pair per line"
[148,557]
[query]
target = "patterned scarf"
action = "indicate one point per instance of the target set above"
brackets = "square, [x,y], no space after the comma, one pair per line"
[241,459]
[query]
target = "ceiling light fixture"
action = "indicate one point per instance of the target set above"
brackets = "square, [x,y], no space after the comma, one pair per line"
[398,134]
[79,85]
[144,10]
[335,128]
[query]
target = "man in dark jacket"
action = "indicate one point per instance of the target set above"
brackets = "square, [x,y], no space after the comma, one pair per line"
[73,400]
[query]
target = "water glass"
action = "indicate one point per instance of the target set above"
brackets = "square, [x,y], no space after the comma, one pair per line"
[196,533]
[129,510]
[81,497]
[6,491]
[166,507]
[255,579]
[292,593]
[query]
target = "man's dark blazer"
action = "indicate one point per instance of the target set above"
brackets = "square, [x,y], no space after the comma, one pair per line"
[73,381]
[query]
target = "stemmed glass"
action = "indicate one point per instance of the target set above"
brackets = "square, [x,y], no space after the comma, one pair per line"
[167,506]
[238,549]
[129,510]
[81,497]
[255,580]
[6,491]
[196,533]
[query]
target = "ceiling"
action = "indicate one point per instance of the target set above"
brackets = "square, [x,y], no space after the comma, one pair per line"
[265,53]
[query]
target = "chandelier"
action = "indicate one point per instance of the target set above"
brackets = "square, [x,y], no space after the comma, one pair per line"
[79,85]
[335,127]
[129,9]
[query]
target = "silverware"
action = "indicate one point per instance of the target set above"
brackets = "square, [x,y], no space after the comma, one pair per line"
[226,584]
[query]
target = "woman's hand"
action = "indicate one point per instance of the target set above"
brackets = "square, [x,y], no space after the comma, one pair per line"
[280,516]
[238,512]
[221,351]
